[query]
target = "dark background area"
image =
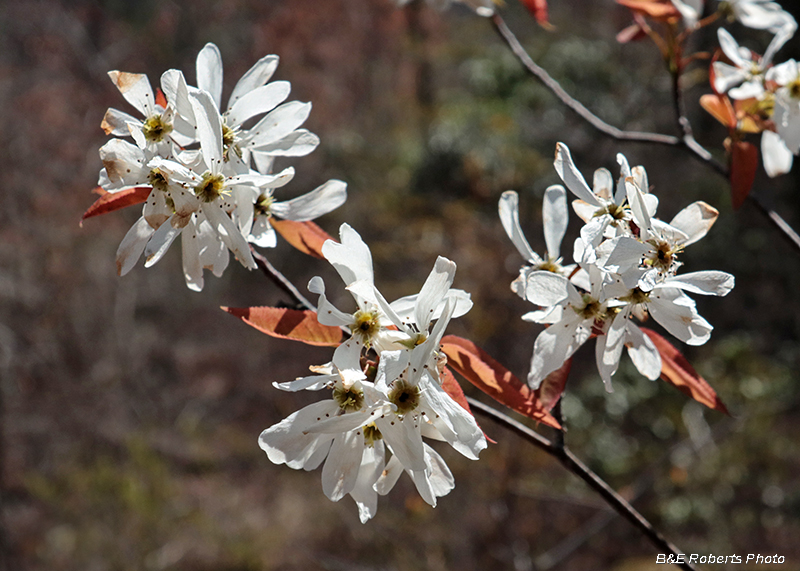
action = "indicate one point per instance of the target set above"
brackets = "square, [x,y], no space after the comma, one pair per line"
[132,406]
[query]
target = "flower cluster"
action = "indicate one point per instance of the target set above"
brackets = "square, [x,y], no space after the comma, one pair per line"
[209,168]
[627,266]
[767,97]
[378,408]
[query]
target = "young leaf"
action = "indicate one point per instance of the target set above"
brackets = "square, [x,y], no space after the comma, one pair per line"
[677,371]
[720,108]
[553,385]
[539,10]
[743,167]
[305,236]
[475,365]
[111,201]
[295,324]
[657,9]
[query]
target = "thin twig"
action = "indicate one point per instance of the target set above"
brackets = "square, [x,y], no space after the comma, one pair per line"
[568,100]
[686,141]
[280,280]
[573,464]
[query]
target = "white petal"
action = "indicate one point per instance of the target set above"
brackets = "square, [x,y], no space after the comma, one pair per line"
[209,129]
[255,77]
[775,154]
[132,246]
[555,217]
[546,288]
[706,282]
[298,143]
[403,436]
[278,123]
[260,100]
[209,72]
[677,313]
[160,243]
[287,443]
[340,472]
[229,234]
[319,201]
[135,88]
[433,291]
[508,208]
[351,258]
[695,221]
[192,266]
[643,352]
[571,175]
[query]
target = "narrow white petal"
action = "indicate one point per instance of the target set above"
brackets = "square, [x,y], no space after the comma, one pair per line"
[132,246]
[695,221]
[571,176]
[260,100]
[278,123]
[707,282]
[319,201]
[555,216]
[775,154]
[508,208]
[135,88]
[209,72]
[351,257]
[643,352]
[340,472]
[229,234]
[546,288]
[160,243]
[255,77]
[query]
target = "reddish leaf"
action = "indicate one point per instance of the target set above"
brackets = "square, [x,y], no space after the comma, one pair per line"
[452,388]
[743,167]
[539,10]
[305,236]
[475,365]
[720,107]
[677,371]
[295,324]
[658,9]
[553,385]
[111,201]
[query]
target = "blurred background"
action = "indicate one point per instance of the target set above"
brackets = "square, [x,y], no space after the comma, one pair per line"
[131,406]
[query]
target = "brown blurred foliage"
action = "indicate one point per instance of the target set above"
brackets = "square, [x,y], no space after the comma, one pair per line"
[131,406]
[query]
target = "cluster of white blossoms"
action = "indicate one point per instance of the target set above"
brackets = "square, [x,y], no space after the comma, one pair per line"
[773,90]
[210,167]
[626,266]
[374,410]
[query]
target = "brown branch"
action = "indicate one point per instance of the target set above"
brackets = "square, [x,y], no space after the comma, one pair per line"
[686,141]
[281,281]
[573,464]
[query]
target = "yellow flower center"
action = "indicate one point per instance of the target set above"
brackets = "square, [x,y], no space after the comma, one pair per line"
[404,396]
[211,187]
[155,129]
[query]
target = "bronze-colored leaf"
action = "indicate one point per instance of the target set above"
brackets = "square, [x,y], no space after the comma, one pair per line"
[111,201]
[305,236]
[294,324]
[720,108]
[677,371]
[743,167]
[480,369]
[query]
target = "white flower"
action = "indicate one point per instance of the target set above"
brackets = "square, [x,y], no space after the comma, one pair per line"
[748,69]
[573,317]
[277,133]
[322,200]
[760,14]
[554,215]
[161,126]
[787,103]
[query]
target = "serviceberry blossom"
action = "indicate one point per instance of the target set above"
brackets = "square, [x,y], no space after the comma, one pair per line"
[627,267]
[210,173]
[748,71]
[759,14]
[555,218]
[389,409]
